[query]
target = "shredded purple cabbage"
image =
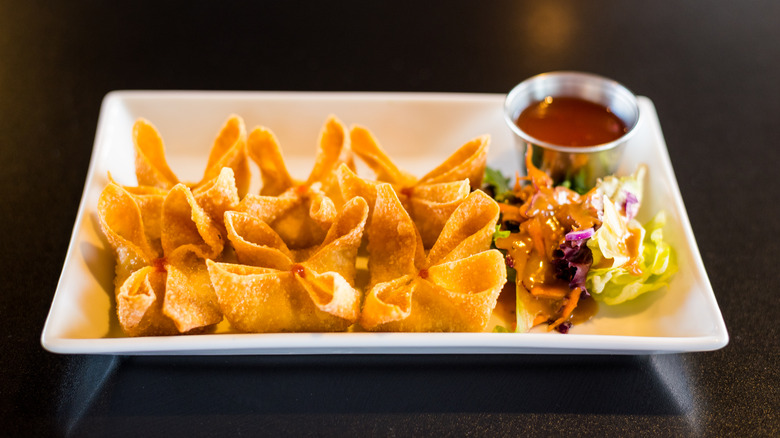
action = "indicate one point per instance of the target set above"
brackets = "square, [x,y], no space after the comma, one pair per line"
[580,234]
[571,262]
[563,327]
[631,206]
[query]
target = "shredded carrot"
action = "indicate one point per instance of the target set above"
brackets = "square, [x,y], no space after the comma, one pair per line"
[571,304]
[545,291]
[533,172]
[510,212]
[591,192]
[540,319]
[519,178]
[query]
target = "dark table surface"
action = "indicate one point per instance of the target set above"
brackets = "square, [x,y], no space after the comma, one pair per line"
[711,68]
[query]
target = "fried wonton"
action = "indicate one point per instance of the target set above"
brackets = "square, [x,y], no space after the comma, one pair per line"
[454,288]
[429,200]
[301,212]
[229,150]
[218,195]
[161,290]
[332,151]
[429,205]
[276,289]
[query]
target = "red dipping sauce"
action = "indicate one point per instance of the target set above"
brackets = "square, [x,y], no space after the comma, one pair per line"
[571,121]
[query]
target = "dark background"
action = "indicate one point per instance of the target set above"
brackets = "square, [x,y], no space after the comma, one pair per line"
[711,68]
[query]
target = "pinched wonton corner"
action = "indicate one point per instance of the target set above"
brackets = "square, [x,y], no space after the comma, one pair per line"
[429,200]
[165,289]
[454,288]
[225,180]
[332,151]
[215,197]
[468,162]
[229,150]
[276,289]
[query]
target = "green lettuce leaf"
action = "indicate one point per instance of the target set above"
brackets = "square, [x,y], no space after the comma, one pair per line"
[500,329]
[498,183]
[499,233]
[617,189]
[524,318]
[511,274]
[609,241]
[615,285]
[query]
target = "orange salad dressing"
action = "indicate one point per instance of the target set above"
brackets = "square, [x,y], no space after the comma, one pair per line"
[537,228]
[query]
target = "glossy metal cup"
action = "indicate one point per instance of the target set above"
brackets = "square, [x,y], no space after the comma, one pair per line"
[578,166]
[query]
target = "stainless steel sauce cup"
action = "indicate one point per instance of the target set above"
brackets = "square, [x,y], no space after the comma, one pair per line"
[578,166]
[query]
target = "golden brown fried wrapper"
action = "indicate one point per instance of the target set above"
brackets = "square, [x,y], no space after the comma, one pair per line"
[429,205]
[429,200]
[218,195]
[451,297]
[468,162]
[454,288]
[150,200]
[332,151]
[139,303]
[263,149]
[151,166]
[161,293]
[256,243]
[468,230]
[366,146]
[275,290]
[394,242]
[229,150]
[352,185]
[300,215]
[215,197]
[263,300]
[338,251]
[122,223]
[190,300]
[187,226]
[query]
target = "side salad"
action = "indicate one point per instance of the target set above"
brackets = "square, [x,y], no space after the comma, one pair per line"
[567,251]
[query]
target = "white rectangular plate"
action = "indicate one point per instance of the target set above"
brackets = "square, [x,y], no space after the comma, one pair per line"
[419,131]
